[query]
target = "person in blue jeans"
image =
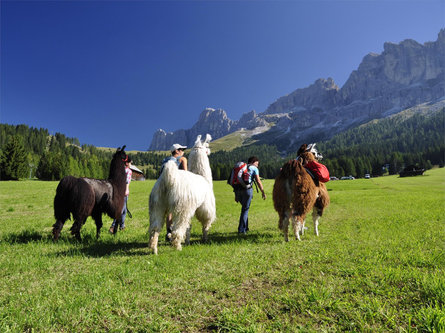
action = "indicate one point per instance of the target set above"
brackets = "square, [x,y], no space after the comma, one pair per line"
[245,195]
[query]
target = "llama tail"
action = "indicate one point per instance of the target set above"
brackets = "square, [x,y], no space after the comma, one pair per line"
[169,174]
[62,200]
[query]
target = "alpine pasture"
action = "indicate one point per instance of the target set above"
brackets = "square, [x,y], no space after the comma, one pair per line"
[378,265]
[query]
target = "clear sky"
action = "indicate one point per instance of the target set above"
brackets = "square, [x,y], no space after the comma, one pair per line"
[113,72]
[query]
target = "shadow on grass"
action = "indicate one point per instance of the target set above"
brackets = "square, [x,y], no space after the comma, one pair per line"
[91,247]
[96,248]
[224,238]
[26,236]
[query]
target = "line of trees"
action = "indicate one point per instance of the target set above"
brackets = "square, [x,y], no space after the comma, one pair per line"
[382,147]
[31,152]
[387,146]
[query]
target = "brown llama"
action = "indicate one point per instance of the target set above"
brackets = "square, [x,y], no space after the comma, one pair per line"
[83,197]
[296,193]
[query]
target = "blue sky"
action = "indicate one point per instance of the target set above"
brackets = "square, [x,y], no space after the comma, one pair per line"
[112,72]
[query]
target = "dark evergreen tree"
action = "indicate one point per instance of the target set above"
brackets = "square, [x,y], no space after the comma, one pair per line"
[14,164]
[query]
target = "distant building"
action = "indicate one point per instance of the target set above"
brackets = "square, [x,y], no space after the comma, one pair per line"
[411,170]
[137,174]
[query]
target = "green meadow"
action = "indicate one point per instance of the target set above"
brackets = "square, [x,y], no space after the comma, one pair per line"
[377,266]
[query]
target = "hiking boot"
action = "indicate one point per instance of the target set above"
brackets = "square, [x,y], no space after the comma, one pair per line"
[111,231]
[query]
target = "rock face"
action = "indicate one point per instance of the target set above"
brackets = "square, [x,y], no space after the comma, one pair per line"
[402,76]
[210,121]
[249,120]
[319,95]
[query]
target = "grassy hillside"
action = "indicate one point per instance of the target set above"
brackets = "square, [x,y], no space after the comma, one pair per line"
[378,265]
[404,132]
[233,140]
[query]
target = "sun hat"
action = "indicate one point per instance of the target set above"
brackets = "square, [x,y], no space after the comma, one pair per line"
[177,146]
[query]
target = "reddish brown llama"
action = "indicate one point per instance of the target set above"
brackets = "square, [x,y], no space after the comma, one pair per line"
[295,194]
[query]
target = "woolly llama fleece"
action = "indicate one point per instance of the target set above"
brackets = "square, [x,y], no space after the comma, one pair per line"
[295,194]
[184,194]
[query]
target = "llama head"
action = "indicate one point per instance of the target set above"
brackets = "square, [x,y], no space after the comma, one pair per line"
[207,143]
[309,148]
[203,144]
[307,157]
[117,166]
[198,160]
[121,154]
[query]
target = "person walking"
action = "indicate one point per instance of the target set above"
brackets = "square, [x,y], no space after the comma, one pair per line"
[128,172]
[245,195]
[177,155]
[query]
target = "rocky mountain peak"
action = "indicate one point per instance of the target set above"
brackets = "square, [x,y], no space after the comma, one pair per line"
[250,120]
[209,114]
[320,94]
[402,76]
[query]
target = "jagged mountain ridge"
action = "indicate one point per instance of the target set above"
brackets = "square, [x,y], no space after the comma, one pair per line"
[402,76]
[213,121]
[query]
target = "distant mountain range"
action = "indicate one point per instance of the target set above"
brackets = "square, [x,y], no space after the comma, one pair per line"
[403,76]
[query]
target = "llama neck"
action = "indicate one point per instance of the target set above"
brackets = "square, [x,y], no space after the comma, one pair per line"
[117,173]
[200,165]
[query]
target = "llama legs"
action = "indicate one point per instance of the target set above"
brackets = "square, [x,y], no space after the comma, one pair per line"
[75,229]
[298,225]
[57,228]
[205,232]
[99,224]
[206,217]
[316,214]
[180,228]
[283,224]
[153,243]
[303,227]
[156,223]
[178,235]
[187,235]
[176,241]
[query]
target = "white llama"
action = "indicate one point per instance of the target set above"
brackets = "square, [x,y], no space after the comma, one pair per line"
[184,194]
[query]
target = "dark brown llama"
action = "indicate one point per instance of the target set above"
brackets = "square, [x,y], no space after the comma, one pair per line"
[83,197]
[296,193]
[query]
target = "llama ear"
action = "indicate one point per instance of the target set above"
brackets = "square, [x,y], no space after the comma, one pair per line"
[302,149]
[208,138]
[198,139]
[123,147]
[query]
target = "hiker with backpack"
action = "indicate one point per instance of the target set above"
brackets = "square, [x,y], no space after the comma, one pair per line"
[242,178]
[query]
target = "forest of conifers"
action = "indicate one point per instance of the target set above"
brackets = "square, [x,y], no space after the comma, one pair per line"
[378,148]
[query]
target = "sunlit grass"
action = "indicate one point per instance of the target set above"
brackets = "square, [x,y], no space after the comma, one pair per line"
[378,265]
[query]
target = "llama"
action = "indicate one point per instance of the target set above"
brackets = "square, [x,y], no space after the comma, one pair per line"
[184,194]
[83,197]
[295,194]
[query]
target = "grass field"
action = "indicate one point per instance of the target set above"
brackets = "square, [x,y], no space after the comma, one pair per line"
[378,265]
